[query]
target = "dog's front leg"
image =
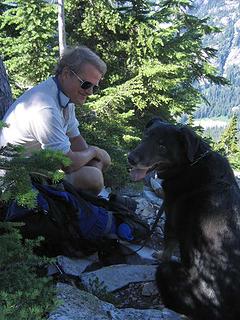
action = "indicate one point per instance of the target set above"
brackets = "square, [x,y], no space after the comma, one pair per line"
[169,247]
[170,239]
[170,242]
[165,255]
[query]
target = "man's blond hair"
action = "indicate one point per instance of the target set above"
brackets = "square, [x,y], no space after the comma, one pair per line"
[75,58]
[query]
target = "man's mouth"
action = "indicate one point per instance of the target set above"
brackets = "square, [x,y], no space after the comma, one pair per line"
[82,97]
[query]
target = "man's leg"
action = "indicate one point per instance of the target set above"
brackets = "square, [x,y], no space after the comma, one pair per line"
[87,178]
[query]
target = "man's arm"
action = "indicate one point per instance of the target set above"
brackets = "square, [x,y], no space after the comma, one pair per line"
[101,160]
[78,143]
[80,158]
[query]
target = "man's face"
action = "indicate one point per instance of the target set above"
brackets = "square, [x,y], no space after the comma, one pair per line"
[72,85]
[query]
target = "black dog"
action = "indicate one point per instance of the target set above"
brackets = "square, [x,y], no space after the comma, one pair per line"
[202,206]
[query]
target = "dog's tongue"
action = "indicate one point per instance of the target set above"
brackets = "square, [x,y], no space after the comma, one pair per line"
[138,174]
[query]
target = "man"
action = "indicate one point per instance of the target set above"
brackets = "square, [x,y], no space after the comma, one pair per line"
[44,117]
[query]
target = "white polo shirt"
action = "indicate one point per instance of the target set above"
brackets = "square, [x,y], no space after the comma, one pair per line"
[41,118]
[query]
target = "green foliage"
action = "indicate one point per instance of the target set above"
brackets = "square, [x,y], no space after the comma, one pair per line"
[17,181]
[2,124]
[99,289]
[154,54]
[23,295]
[228,144]
[221,100]
[28,41]
[234,160]
[111,133]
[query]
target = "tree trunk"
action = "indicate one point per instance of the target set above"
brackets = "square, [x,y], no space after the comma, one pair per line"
[61,27]
[5,91]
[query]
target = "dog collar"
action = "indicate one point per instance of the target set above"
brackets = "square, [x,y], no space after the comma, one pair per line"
[203,155]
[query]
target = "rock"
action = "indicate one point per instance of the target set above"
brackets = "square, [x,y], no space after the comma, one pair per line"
[156,185]
[81,305]
[150,175]
[152,197]
[75,266]
[145,210]
[105,193]
[135,256]
[142,203]
[150,289]
[131,190]
[130,286]
[115,277]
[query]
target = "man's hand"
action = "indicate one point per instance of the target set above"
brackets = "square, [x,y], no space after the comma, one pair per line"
[80,158]
[102,159]
[91,156]
[82,154]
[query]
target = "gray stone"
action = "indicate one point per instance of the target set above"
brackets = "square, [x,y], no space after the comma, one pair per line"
[129,191]
[117,276]
[81,305]
[105,193]
[143,256]
[170,315]
[158,256]
[52,269]
[151,196]
[146,210]
[141,204]
[156,185]
[75,266]
[150,289]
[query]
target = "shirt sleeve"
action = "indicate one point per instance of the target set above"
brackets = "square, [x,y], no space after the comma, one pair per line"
[73,124]
[47,128]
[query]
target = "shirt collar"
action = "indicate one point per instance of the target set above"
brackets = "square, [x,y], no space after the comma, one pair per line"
[63,100]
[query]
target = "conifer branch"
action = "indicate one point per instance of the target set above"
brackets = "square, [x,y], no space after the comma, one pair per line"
[16,183]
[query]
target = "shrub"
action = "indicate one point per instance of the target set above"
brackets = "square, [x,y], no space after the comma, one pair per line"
[23,294]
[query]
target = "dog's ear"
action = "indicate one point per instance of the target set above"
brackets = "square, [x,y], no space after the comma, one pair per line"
[153,121]
[191,142]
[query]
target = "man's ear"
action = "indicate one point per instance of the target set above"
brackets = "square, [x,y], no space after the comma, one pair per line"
[191,142]
[66,73]
[154,121]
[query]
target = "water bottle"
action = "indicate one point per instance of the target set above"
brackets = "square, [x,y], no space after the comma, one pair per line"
[124,231]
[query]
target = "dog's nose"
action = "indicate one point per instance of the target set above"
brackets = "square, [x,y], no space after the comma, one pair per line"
[131,160]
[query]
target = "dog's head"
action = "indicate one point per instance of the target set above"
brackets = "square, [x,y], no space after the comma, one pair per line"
[165,147]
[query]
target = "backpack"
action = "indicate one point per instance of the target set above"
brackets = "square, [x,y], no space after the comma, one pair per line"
[74,223]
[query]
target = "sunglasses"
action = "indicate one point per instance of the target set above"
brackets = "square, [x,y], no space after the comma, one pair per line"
[86,84]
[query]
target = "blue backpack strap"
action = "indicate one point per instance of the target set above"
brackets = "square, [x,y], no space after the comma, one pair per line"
[108,227]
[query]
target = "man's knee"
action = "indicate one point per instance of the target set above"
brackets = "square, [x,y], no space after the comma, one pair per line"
[88,179]
[96,181]
[106,159]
